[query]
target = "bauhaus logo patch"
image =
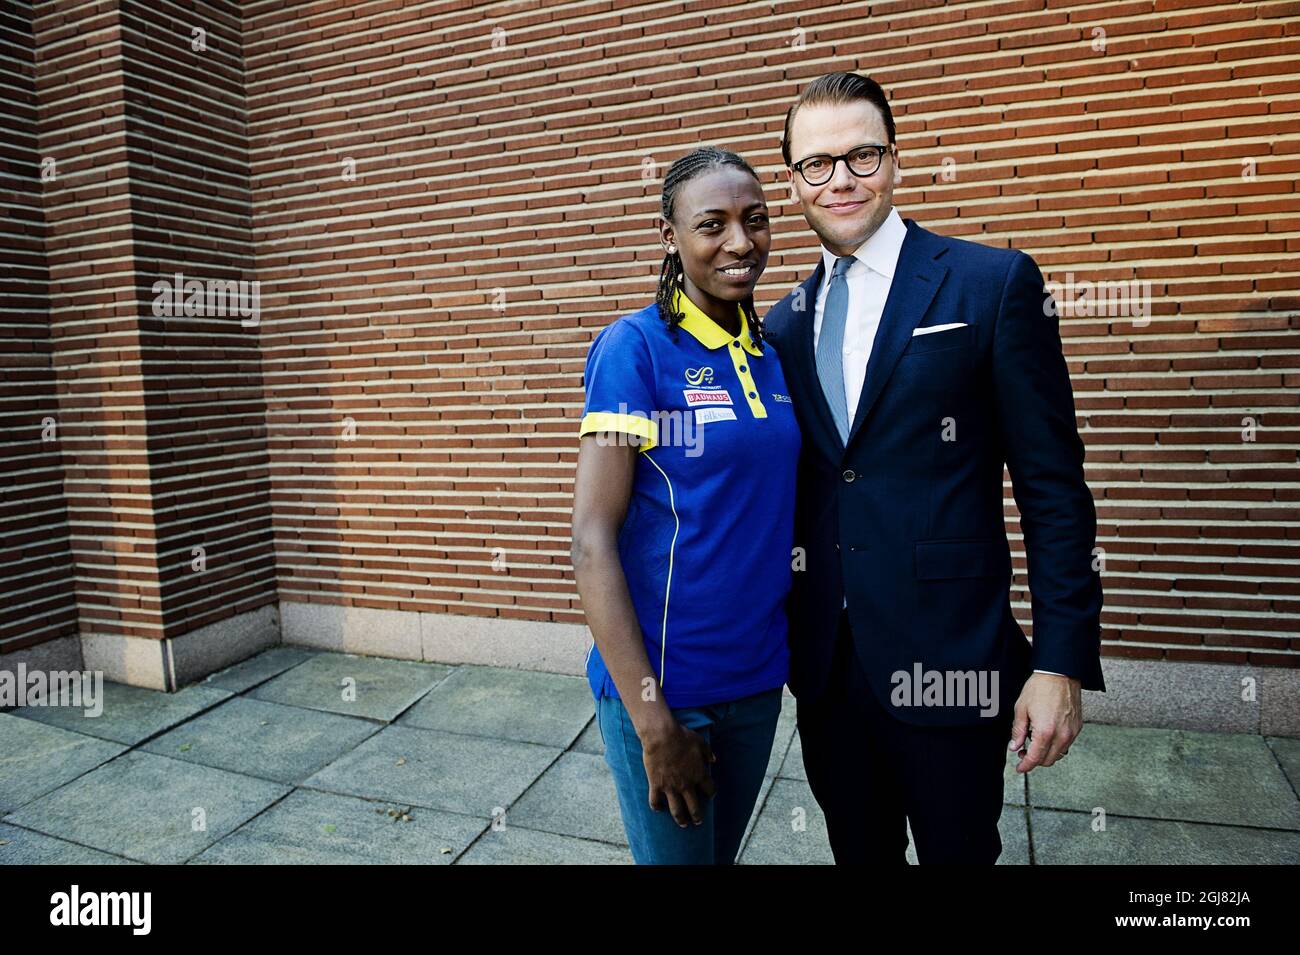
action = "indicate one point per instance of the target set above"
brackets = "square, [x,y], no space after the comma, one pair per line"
[706,396]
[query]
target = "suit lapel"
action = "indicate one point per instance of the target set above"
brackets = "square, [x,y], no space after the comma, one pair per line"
[917,278]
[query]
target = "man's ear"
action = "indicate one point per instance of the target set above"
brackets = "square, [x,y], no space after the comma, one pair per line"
[794,192]
[898,169]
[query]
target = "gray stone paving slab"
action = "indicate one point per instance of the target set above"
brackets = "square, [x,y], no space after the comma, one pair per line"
[316,828]
[1013,792]
[759,803]
[258,668]
[369,687]
[515,845]
[145,807]
[1014,783]
[1067,838]
[784,733]
[447,771]
[574,797]
[792,765]
[780,837]
[130,713]
[268,740]
[776,764]
[1013,828]
[590,741]
[24,847]
[1287,752]
[461,750]
[36,758]
[549,709]
[1229,779]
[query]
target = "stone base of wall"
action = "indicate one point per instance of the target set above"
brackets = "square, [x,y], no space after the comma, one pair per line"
[1193,696]
[61,653]
[1197,696]
[437,637]
[156,664]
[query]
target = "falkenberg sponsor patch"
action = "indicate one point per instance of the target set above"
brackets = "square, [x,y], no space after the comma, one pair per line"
[705,415]
[706,396]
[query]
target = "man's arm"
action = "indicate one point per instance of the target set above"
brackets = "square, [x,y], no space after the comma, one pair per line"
[1044,456]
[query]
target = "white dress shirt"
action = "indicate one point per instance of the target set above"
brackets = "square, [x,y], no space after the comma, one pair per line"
[870,277]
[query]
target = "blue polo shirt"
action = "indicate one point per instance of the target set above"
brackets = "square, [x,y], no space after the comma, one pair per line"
[707,541]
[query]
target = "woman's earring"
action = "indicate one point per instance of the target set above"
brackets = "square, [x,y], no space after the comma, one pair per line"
[672,249]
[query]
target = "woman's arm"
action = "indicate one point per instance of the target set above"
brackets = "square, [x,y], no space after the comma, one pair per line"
[676,759]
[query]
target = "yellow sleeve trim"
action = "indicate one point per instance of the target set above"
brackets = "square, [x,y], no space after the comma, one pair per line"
[631,424]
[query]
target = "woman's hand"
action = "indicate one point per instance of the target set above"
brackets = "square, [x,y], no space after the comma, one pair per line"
[676,759]
[677,764]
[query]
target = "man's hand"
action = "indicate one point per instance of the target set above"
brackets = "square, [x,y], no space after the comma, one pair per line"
[1049,714]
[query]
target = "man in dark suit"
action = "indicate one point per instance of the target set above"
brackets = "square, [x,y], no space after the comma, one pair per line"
[918,366]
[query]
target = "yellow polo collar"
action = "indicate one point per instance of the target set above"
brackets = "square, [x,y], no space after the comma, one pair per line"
[708,332]
[711,335]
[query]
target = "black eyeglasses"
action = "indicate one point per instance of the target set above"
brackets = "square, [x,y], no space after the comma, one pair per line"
[862,161]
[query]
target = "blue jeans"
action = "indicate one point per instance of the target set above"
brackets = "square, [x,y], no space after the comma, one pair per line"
[740,733]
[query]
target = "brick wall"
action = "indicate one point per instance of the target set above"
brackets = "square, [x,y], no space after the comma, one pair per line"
[35,565]
[161,424]
[444,202]
[201,375]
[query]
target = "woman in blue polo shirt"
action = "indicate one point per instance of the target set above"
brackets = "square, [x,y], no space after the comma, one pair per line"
[683,525]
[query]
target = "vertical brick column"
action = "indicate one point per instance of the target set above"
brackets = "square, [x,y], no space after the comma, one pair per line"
[201,367]
[102,426]
[40,611]
[160,410]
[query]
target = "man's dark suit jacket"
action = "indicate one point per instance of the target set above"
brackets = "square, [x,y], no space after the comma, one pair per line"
[908,520]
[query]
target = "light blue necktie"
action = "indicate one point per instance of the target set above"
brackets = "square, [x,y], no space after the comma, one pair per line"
[830,345]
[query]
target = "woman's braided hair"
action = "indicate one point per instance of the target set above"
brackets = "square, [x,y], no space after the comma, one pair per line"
[686,168]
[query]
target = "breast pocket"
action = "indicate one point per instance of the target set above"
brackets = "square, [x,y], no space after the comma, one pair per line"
[937,366]
[951,339]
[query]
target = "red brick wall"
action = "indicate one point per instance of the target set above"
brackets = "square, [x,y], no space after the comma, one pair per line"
[424,321]
[190,214]
[161,421]
[35,564]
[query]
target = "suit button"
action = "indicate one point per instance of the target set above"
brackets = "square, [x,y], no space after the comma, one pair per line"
[849,476]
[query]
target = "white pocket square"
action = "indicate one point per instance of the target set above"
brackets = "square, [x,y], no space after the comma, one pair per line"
[936,328]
